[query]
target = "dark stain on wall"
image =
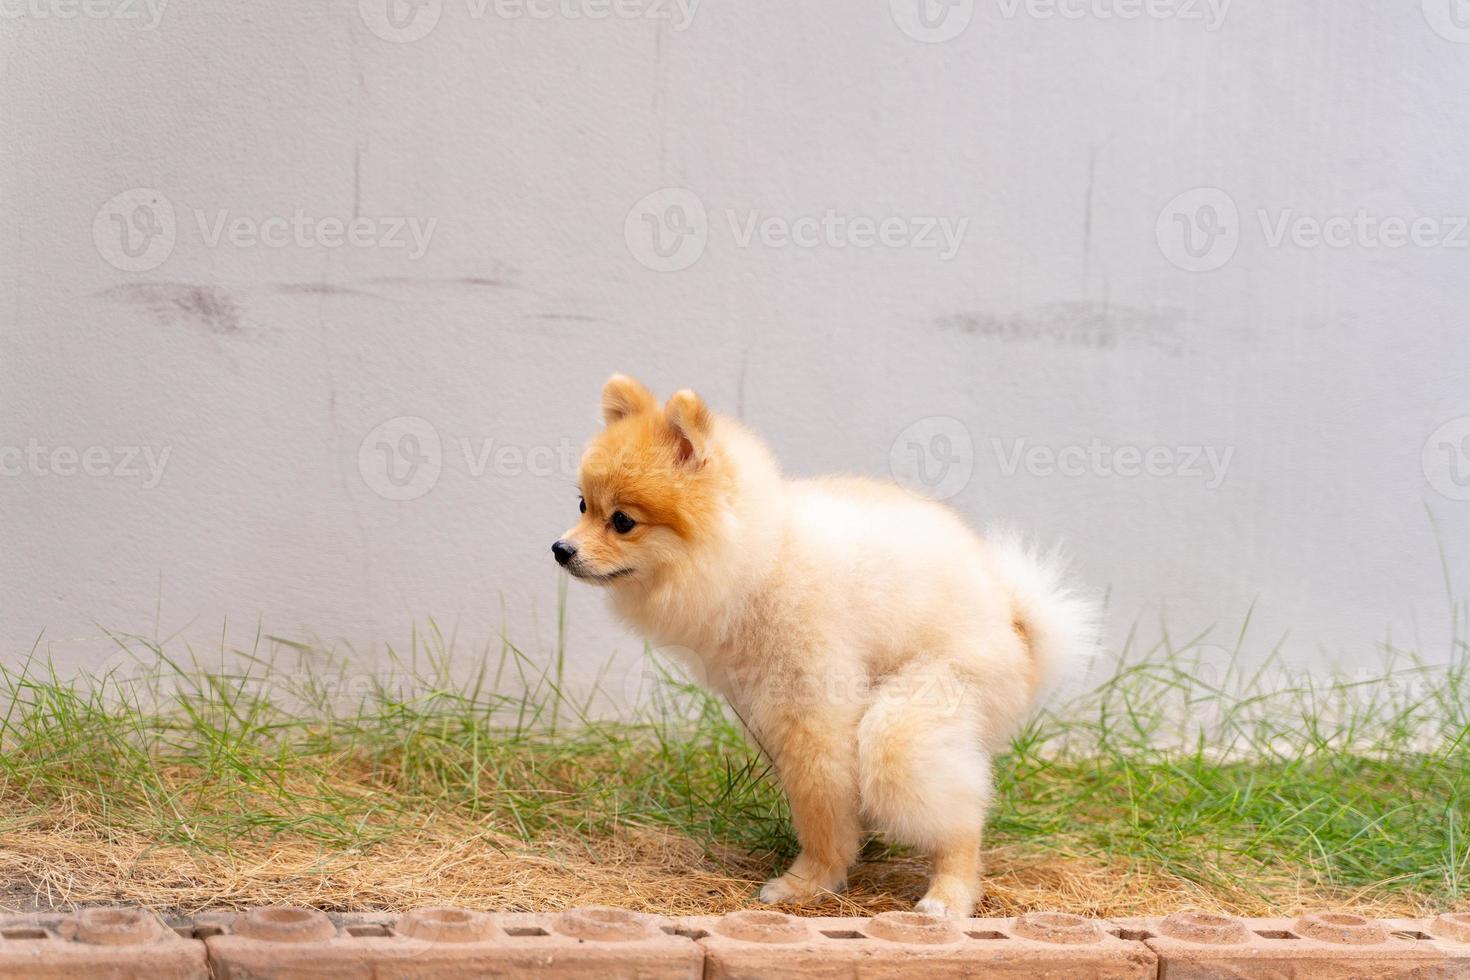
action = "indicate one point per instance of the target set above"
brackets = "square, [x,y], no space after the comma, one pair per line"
[1094,325]
[208,308]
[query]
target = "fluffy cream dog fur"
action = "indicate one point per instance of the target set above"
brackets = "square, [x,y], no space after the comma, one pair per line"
[873,644]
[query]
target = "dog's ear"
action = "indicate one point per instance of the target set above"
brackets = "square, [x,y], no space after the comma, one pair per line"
[690,420]
[622,396]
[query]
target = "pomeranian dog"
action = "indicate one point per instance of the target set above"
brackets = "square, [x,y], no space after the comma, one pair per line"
[873,645]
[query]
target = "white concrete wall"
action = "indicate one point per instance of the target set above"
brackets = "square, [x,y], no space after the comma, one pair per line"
[1065,312]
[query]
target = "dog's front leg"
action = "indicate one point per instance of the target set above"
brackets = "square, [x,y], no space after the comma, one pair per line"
[816,761]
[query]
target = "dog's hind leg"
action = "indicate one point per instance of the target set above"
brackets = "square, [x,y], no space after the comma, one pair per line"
[925,777]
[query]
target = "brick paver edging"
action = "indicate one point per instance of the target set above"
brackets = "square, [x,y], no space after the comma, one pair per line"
[289,943]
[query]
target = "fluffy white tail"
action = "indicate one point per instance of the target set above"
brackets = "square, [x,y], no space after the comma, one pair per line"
[1063,624]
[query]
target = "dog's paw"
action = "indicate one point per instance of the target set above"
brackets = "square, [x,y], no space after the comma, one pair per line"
[791,890]
[948,901]
[932,906]
[785,890]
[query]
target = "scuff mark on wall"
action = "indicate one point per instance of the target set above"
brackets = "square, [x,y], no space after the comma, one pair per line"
[208,308]
[476,282]
[357,180]
[1078,324]
[1087,215]
[320,289]
[740,384]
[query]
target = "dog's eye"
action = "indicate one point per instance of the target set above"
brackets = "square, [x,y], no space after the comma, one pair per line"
[622,523]
[581,505]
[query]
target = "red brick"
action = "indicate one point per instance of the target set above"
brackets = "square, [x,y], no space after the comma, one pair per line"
[1325,946]
[99,944]
[428,944]
[1451,927]
[894,945]
[1449,933]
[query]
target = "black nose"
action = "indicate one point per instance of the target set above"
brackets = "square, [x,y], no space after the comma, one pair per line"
[564,551]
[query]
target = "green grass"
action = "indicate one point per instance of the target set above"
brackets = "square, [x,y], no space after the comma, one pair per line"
[1252,785]
[1180,776]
